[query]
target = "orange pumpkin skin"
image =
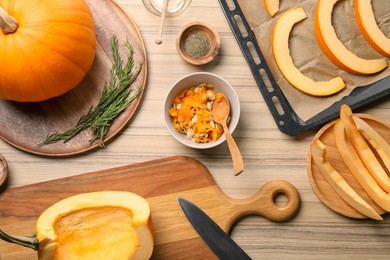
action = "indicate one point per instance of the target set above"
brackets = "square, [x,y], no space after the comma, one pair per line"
[51,51]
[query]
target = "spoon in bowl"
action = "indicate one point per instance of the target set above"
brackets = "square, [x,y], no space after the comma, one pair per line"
[220,112]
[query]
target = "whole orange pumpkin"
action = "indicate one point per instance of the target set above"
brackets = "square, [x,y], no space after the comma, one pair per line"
[46,47]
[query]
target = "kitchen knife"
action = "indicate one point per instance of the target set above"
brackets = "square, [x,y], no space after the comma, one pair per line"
[219,242]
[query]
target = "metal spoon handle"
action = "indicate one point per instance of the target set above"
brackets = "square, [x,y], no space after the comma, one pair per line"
[238,163]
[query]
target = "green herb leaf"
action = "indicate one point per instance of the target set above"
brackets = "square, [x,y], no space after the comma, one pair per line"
[115,98]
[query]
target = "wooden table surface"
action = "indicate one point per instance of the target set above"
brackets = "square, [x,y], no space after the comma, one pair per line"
[315,233]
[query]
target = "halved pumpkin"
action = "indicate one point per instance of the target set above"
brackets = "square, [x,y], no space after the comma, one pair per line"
[334,49]
[97,225]
[271,6]
[281,52]
[369,28]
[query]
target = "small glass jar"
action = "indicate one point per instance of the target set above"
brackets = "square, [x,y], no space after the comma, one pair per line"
[174,6]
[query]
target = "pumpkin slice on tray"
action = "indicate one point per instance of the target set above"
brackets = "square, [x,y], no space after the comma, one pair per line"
[334,49]
[369,28]
[59,114]
[334,138]
[271,6]
[281,52]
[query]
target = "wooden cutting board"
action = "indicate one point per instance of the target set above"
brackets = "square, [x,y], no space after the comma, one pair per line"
[160,182]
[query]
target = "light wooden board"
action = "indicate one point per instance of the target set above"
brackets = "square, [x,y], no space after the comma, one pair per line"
[160,182]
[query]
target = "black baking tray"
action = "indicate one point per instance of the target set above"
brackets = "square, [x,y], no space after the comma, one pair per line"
[285,118]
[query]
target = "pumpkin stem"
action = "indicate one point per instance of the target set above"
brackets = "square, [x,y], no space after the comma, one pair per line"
[8,23]
[30,242]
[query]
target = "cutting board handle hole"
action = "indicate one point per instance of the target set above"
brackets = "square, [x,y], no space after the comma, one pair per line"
[280,200]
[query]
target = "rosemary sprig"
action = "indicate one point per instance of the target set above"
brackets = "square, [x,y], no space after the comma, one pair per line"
[114,100]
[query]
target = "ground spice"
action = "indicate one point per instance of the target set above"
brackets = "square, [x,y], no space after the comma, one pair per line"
[197,45]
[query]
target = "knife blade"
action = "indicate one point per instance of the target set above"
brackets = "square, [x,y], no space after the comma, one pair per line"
[218,241]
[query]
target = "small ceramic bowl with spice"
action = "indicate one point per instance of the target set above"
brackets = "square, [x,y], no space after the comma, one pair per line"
[198,43]
[188,105]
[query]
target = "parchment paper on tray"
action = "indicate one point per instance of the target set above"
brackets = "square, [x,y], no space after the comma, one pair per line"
[308,56]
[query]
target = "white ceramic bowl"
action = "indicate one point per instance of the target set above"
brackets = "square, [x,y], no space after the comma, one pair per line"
[220,85]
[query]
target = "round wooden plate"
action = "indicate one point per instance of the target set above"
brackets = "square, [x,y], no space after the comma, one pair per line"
[3,170]
[321,187]
[26,125]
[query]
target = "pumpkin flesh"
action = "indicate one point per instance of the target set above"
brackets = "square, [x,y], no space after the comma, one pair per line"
[271,6]
[96,233]
[338,183]
[334,49]
[375,139]
[365,153]
[97,225]
[281,52]
[357,168]
[369,28]
[49,53]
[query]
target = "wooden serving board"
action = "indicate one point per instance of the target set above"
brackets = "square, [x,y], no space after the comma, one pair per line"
[319,184]
[161,182]
[26,125]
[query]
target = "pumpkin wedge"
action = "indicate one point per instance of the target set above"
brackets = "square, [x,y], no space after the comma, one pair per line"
[363,150]
[334,49]
[357,168]
[271,6]
[375,139]
[97,225]
[338,183]
[281,52]
[369,28]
